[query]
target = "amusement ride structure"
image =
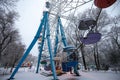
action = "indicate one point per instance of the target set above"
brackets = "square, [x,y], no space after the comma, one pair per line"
[57,9]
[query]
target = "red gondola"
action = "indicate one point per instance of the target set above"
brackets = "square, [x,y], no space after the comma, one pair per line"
[103,3]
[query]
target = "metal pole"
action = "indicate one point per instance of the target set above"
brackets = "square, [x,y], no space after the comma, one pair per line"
[41,48]
[56,40]
[62,33]
[50,49]
[29,48]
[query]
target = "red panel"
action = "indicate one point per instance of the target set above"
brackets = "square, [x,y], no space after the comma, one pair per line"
[103,3]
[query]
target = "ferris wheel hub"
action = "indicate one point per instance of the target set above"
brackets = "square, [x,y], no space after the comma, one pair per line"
[47,4]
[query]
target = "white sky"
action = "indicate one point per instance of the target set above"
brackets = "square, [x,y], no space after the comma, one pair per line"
[30,12]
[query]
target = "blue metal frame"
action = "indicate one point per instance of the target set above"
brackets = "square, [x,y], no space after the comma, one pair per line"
[44,22]
[62,32]
[41,48]
[65,42]
[56,40]
[46,32]
[50,49]
[29,48]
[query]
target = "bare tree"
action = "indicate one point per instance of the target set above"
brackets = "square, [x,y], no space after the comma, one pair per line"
[115,31]
[74,33]
[7,4]
[7,30]
[114,34]
[14,52]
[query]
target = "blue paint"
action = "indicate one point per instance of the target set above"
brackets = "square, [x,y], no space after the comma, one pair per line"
[41,47]
[46,32]
[56,40]
[62,33]
[29,48]
[50,50]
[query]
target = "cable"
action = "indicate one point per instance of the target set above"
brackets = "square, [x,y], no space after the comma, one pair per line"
[97,18]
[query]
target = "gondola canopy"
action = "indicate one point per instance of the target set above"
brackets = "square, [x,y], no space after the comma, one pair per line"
[86,24]
[104,3]
[91,38]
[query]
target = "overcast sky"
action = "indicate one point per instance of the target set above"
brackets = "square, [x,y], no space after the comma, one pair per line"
[30,12]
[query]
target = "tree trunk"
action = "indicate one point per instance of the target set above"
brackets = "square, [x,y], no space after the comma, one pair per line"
[0,52]
[98,62]
[12,67]
[83,57]
[96,57]
[13,63]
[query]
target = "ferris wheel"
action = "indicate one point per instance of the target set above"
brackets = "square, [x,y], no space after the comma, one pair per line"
[62,9]
[66,10]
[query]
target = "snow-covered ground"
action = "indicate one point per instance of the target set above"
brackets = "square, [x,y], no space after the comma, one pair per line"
[29,74]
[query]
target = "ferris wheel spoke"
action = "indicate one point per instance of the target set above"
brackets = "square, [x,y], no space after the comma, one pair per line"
[64,9]
[77,6]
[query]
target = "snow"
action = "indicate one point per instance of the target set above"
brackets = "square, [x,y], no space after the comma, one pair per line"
[29,74]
